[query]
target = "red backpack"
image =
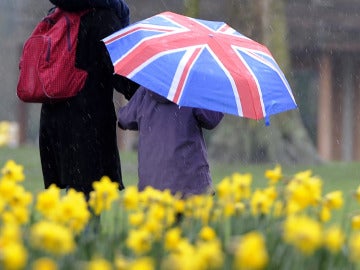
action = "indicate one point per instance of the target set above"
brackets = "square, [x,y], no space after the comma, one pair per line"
[47,64]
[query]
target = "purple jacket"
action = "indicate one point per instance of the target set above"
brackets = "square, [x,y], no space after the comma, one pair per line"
[171,151]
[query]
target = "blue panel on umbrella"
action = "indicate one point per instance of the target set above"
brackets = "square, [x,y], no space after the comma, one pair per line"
[119,47]
[158,20]
[211,24]
[157,78]
[209,86]
[274,90]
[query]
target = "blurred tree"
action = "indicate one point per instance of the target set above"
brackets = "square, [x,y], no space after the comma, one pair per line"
[286,140]
[192,8]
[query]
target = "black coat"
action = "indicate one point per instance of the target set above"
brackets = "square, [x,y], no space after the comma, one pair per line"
[78,136]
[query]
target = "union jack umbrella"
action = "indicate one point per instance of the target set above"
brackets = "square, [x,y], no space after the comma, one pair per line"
[203,64]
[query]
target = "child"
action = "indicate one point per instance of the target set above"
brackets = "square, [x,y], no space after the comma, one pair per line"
[172,151]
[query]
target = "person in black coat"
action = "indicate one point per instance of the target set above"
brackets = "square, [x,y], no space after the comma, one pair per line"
[77,138]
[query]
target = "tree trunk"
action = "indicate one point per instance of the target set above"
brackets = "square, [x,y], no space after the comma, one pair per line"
[286,140]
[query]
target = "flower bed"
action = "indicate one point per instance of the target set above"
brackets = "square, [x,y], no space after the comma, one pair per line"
[286,225]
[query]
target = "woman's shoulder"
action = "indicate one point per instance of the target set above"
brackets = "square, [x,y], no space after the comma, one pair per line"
[102,22]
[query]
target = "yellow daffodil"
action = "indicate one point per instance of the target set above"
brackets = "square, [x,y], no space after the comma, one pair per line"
[149,195]
[224,188]
[199,207]
[139,241]
[292,207]
[72,211]
[157,211]
[2,204]
[271,193]
[20,197]
[13,171]
[163,197]
[324,214]
[179,206]
[9,217]
[241,186]
[209,254]
[355,222]
[104,194]
[143,263]
[261,202]
[185,247]
[99,264]
[304,191]
[9,233]
[7,189]
[334,200]
[131,198]
[121,263]
[183,257]
[47,200]
[136,219]
[153,227]
[171,217]
[333,239]
[302,232]
[303,175]
[172,238]
[52,237]
[274,175]
[207,233]
[20,214]
[354,247]
[251,252]
[44,264]
[228,208]
[13,256]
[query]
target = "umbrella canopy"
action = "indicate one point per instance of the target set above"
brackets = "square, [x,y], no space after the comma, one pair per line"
[203,64]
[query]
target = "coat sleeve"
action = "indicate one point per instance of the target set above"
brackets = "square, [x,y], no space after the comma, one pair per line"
[207,119]
[128,115]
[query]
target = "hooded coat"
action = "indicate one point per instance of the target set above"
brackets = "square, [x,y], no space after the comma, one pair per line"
[171,152]
[77,137]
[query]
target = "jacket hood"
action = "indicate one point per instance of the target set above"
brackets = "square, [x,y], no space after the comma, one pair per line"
[158,97]
[119,6]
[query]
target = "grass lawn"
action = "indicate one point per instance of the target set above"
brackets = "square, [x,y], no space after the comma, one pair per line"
[335,175]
